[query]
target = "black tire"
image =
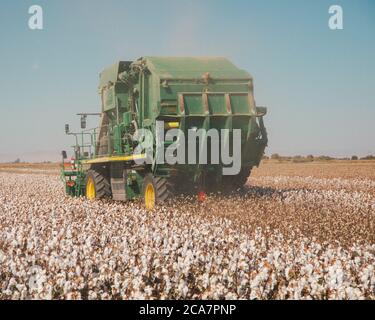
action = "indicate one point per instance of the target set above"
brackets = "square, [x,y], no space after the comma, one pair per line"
[101,182]
[213,182]
[233,183]
[163,188]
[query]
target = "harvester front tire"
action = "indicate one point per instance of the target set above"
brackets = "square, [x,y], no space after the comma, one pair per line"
[156,191]
[97,185]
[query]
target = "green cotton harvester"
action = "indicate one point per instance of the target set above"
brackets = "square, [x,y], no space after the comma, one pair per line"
[168,125]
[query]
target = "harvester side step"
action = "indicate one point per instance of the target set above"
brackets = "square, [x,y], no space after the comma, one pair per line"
[118,182]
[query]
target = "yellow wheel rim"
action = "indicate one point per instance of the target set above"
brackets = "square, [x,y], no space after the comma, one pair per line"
[150,197]
[90,189]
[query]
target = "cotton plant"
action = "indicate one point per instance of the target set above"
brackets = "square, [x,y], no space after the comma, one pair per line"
[254,246]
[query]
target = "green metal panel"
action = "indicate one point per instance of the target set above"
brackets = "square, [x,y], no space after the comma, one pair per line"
[174,88]
[110,74]
[240,103]
[122,95]
[127,118]
[193,104]
[216,103]
[109,98]
[194,68]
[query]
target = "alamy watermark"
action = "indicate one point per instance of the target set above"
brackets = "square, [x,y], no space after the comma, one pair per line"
[336,19]
[172,146]
[36,19]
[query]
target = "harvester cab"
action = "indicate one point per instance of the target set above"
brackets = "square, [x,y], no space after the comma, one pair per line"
[167,120]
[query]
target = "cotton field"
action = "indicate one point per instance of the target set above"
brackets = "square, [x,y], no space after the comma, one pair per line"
[299,234]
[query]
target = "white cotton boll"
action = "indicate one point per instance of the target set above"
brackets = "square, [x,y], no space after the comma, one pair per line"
[231,296]
[78,270]
[105,296]
[92,295]
[213,280]
[255,294]
[205,280]
[339,276]
[156,263]
[67,287]
[12,282]
[168,285]
[136,271]
[224,273]
[243,247]
[243,265]
[143,259]
[308,269]
[20,287]
[16,295]
[148,290]
[244,283]
[47,292]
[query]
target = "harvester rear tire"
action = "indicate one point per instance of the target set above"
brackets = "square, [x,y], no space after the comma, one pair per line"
[236,182]
[156,190]
[102,186]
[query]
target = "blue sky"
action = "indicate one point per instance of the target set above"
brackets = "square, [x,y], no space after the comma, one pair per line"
[318,84]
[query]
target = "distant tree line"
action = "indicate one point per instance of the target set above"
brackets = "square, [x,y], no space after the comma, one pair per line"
[310,158]
[18,160]
[370,157]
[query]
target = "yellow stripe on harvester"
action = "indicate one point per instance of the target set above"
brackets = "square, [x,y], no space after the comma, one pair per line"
[115,159]
[171,125]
